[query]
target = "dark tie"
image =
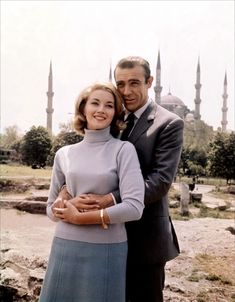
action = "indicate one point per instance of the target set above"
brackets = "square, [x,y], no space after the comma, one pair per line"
[130,124]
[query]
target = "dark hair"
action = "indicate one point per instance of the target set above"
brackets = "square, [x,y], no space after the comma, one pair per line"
[131,62]
[80,122]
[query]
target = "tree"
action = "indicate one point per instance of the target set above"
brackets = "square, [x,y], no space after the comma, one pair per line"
[62,139]
[36,147]
[183,164]
[197,135]
[222,156]
[10,137]
[193,161]
[66,127]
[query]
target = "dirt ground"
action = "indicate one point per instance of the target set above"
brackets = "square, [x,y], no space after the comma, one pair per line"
[204,271]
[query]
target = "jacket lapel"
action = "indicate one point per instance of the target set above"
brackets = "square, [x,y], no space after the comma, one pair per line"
[144,122]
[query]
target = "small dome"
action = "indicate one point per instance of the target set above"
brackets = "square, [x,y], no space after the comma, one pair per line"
[170,99]
[189,117]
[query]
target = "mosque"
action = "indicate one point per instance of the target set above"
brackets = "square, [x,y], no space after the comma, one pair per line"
[169,101]
[176,105]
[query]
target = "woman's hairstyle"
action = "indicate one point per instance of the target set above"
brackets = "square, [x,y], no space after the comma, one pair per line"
[131,62]
[80,122]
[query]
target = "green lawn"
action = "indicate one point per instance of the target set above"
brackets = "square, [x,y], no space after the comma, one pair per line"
[20,170]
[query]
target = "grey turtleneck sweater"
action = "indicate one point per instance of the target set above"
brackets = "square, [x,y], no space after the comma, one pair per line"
[99,164]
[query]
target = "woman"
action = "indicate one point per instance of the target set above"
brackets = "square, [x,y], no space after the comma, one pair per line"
[88,256]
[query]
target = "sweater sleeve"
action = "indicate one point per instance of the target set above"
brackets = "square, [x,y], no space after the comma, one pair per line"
[131,185]
[57,180]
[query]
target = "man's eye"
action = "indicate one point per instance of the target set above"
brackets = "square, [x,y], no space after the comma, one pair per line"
[134,84]
[120,85]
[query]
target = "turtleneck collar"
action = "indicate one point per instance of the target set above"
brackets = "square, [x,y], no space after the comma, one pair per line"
[97,136]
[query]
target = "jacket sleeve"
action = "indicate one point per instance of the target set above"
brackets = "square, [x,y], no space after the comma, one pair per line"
[164,162]
[167,152]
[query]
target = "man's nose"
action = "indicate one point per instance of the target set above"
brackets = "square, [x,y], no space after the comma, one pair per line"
[126,90]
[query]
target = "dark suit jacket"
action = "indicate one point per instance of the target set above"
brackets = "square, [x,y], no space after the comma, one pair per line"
[158,138]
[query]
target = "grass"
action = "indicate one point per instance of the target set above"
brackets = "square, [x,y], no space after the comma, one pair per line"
[194,277]
[217,268]
[200,212]
[214,213]
[218,182]
[221,194]
[219,272]
[15,171]
[20,172]
[12,170]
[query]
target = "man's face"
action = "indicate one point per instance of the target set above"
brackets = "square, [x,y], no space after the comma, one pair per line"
[132,86]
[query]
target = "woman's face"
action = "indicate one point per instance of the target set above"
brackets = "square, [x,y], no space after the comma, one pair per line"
[99,109]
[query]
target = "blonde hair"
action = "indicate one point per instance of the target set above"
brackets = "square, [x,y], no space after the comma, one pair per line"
[80,122]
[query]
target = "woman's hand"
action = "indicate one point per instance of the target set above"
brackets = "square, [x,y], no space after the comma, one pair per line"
[58,203]
[68,214]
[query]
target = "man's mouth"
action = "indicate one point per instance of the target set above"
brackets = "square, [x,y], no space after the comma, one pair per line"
[129,100]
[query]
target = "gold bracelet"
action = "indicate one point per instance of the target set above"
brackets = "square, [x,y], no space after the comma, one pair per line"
[104,225]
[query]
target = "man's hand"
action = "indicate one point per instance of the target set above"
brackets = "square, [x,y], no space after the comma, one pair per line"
[91,202]
[64,194]
[86,202]
[103,201]
[83,203]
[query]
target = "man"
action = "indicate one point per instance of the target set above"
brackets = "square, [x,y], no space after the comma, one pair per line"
[157,135]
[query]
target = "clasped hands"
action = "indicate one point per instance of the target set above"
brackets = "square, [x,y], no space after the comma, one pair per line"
[69,209]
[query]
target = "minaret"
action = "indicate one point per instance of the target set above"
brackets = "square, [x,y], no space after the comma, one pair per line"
[158,87]
[224,108]
[197,100]
[110,72]
[50,95]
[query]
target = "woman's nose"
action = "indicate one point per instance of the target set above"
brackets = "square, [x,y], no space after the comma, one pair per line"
[101,108]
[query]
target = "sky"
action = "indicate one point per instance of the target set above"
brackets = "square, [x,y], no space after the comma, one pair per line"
[83,38]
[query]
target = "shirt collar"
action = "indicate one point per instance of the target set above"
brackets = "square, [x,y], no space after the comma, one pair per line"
[139,112]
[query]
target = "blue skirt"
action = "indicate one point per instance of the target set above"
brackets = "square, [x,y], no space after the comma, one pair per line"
[85,272]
